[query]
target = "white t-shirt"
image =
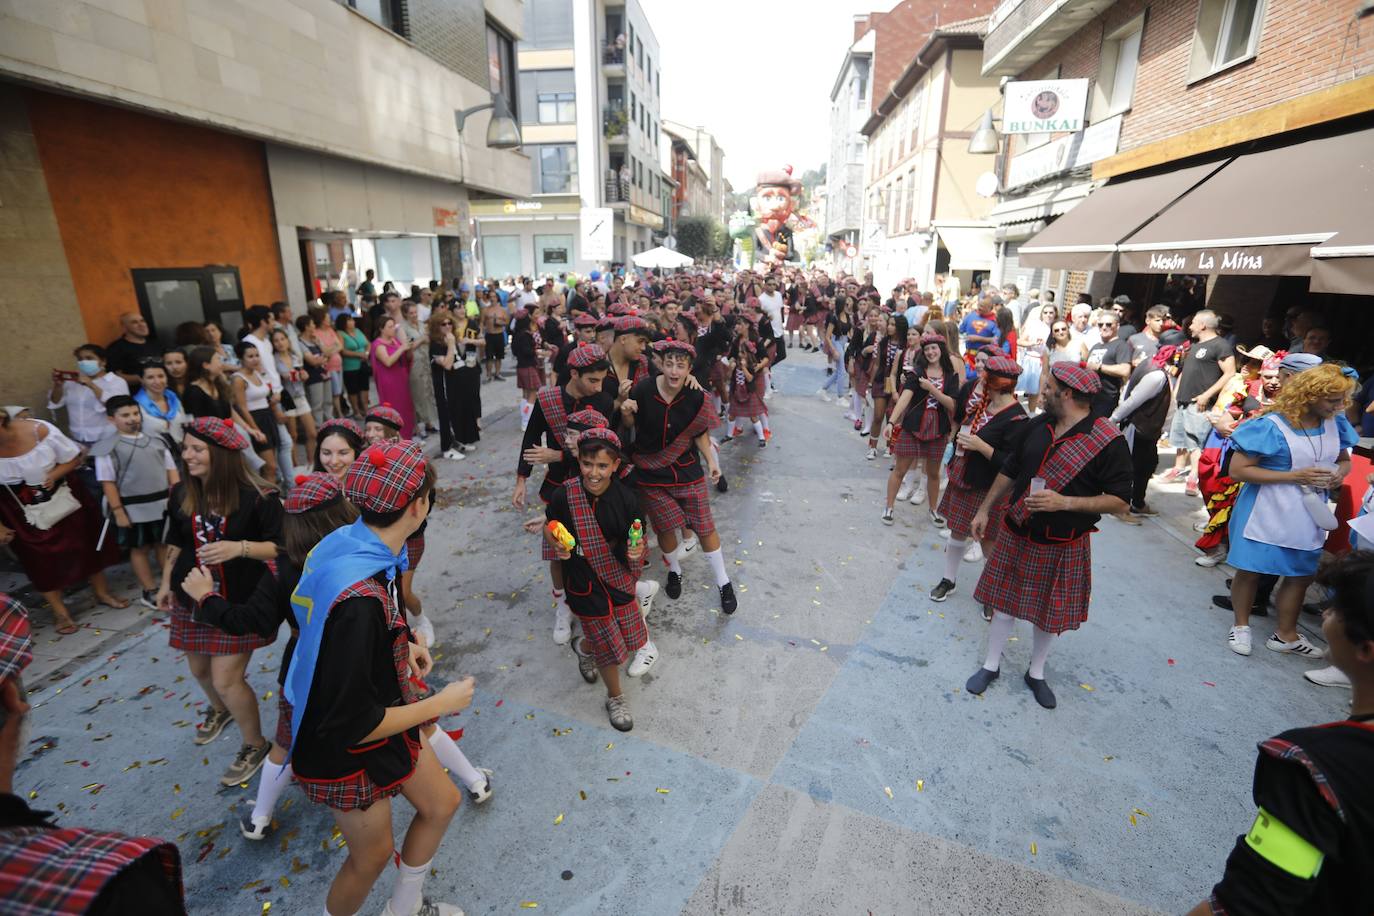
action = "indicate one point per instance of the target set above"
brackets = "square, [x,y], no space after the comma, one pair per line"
[268,368]
[105,467]
[772,307]
[85,413]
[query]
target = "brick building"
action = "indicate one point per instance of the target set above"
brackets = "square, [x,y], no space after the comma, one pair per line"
[1225,140]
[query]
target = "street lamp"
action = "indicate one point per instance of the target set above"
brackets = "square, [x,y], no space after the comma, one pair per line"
[985,140]
[502,131]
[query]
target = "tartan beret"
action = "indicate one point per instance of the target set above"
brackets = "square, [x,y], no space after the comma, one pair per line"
[583,320]
[386,476]
[607,323]
[219,432]
[603,433]
[341,423]
[584,355]
[933,337]
[386,415]
[620,309]
[16,643]
[311,492]
[629,324]
[1003,365]
[587,418]
[668,345]
[1077,376]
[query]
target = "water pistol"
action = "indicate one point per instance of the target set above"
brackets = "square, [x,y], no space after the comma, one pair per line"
[636,534]
[562,535]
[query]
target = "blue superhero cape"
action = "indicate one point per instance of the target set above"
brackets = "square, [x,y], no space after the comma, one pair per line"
[343,558]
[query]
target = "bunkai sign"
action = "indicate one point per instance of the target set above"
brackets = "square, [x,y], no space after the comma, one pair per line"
[1259,260]
[1044,106]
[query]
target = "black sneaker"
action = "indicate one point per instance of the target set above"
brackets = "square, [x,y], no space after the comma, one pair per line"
[1041,688]
[942,591]
[728,601]
[722,485]
[763,443]
[980,680]
[674,586]
[1224,602]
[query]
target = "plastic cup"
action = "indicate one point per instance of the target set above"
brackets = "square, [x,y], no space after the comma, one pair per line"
[1037,484]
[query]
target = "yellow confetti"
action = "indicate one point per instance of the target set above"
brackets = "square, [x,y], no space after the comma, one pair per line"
[815,602]
[920,785]
[1141,813]
[529,715]
[1133,820]
[825,648]
[663,791]
[739,637]
[558,820]
[582,794]
[887,790]
[815,642]
[252,884]
[266,906]
[611,745]
[1109,758]
[178,813]
[177,789]
[284,881]
[529,905]
[1087,687]
[487,631]
[1033,851]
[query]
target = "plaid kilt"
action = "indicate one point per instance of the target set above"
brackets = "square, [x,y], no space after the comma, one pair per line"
[746,401]
[282,736]
[611,639]
[720,375]
[529,379]
[908,446]
[794,320]
[683,505]
[1047,584]
[45,870]
[357,792]
[203,639]
[960,504]
[415,551]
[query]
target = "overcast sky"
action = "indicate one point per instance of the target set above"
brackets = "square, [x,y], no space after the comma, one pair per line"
[755,74]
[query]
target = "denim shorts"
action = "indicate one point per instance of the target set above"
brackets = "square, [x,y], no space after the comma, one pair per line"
[336,385]
[1190,427]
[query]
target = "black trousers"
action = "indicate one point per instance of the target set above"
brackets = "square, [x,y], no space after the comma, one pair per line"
[458,396]
[1144,461]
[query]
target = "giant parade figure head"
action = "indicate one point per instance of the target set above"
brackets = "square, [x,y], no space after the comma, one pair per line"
[773,202]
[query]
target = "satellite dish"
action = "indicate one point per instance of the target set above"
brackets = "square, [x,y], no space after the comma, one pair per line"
[987,184]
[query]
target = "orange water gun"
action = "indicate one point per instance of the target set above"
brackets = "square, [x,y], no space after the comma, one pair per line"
[562,535]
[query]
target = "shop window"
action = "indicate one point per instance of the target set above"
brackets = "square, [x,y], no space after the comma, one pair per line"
[547,97]
[548,24]
[501,256]
[1115,82]
[555,168]
[1227,33]
[501,67]
[910,197]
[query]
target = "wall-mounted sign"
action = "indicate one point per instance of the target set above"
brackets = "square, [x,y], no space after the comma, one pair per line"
[1044,106]
[444,218]
[1082,148]
[641,217]
[598,233]
[555,255]
[508,207]
[1263,260]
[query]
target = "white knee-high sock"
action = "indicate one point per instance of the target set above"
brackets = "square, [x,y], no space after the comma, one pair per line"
[998,633]
[674,559]
[764,420]
[454,760]
[954,555]
[1041,643]
[717,560]
[758,429]
[409,887]
[272,782]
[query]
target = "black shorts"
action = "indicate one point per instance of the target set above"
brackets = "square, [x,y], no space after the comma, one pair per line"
[139,534]
[496,346]
[267,423]
[355,381]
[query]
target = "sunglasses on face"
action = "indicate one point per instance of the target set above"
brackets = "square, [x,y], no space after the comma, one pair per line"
[1060,329]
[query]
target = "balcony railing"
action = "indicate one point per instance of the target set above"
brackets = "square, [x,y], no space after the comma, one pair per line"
[613,56]
[617,188]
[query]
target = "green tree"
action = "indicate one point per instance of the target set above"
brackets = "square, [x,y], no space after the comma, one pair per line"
[701,237]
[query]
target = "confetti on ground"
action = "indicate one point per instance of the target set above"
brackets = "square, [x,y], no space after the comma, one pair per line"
[499,702]
[611,745]
[920,785]
[178,813]
[1141,813]
[582,794]
[887,790]
[1208,684]
[1109,758]
[529,715]
[558,820]
[266,906]
[1088,687]
[663,791]
[739,637]
[1033,850]
[529,905]
[1171,661]
[815,642]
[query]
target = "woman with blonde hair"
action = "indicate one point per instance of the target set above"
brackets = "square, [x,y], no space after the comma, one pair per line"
[1288,460]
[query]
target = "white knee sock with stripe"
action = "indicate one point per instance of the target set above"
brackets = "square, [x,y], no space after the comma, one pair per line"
[717,560]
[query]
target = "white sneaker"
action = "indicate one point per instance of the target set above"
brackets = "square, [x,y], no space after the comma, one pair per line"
[454,455]
[644,660]
[470,447]
[1299,646]
[974,553]
[482,793]
[562,624]
[1328,677]
[646,601]
[1239,640]
[422,627]
[903,491]
[1208,560]
[825,395]
[872,453]
[690,543]
[849,415]
[918,492]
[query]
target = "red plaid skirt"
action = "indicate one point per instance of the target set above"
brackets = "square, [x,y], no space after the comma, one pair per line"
[908,446]
[612,638]
[203,639]
[746,404]
[357,792]
[794,320]
[283,734]
[684,505]
[959,505]
[1047,584]
[529,379]
[720,375]
[415,551]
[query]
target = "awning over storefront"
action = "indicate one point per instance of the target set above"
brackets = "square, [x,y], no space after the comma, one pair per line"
[969,247]
[1086,237]
[1343,268]
[1054,200]
[1264,213]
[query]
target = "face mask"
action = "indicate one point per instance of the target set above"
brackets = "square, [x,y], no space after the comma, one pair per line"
[87,366]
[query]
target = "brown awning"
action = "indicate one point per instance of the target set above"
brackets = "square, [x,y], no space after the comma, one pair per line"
[1264,213]
[1086,237]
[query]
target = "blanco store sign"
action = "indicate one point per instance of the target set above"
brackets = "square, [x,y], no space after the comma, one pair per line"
[1069,152]
[1044,106]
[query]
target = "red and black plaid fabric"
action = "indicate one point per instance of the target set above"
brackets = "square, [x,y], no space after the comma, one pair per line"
[683,505]
[1047,584]
[905,445]
[45,870]
[591,541]
[312,491]
[611,639]
[415,551]
[550,401]
[1064,460]
[530,378]
[746,397]
[960,504]
[1077,376]
[190,635]
[631,324]
[386,476]
[584,320]
[219,432]
[16,641]
[588,418]
[341,423]
[583,355]
[604,433]
[668,345]
[283,733]
[386,415]
[705,420]
[1003,365]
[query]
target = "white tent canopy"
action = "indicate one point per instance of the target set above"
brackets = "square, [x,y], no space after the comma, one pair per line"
[661,258]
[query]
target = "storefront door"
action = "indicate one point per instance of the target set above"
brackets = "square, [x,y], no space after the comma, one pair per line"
[501,257]
[171,296]
[553,254]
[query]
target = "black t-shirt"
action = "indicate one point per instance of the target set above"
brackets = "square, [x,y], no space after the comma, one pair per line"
[1315,781]
[710,344]
[1003,432]
[922,401]
[1201,368]
[1113,353]
[658,423]
[257,518]
[127,356]
[197,403]
[522,345]
[615,511]
[538,429]
[1108,473]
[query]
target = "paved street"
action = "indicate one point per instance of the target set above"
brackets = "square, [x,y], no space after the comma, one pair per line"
[813,754]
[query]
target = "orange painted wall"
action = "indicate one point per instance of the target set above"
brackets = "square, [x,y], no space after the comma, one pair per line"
[133,191]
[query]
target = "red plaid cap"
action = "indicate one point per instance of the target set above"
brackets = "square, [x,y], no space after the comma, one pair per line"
[620,309]
[629,324]
[603,433]
[16,645]
[341,423]
[219,432]
[1077,376]
[583,320]
[311,492]
[668,345]
[607,323]
[386,476]
[932,337]
[583,355]
[587,418]
[386,415]
[1003,365]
